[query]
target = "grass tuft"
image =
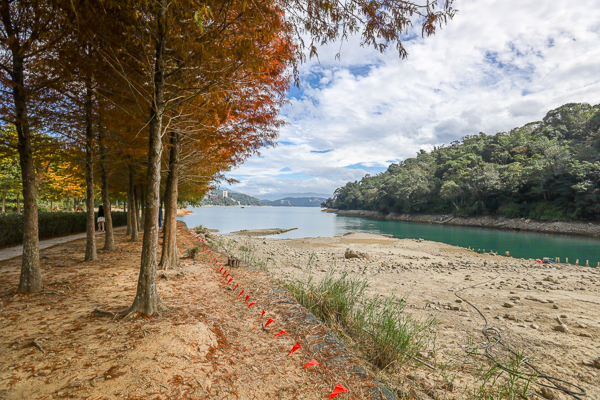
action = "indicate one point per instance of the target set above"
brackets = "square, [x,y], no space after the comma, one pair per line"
[193,252]
[378,327]
[510,382]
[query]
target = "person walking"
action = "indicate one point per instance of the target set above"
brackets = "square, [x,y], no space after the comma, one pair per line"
[160,218]
[101,219]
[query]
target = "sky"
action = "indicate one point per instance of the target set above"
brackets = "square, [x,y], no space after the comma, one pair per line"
[497,65]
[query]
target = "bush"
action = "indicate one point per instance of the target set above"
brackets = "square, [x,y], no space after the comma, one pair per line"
[548,211]
[511,210]
[50,225]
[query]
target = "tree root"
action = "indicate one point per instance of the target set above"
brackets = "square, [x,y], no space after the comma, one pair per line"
[134,310]
[98,311]
[128,313]
[35,343]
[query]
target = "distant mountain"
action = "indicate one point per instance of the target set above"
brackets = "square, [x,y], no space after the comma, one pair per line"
[215,198]
[296,202]
[278,196]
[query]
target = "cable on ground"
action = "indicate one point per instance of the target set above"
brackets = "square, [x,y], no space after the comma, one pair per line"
[494,337]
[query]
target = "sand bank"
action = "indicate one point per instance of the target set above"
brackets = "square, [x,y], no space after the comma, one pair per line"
[262,232]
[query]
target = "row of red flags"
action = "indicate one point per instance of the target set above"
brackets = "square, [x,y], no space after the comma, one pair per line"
[339,388]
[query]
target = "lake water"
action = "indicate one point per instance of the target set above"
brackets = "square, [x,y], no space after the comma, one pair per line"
[312,222]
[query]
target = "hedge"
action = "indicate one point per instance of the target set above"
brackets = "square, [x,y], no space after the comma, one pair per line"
[51,224]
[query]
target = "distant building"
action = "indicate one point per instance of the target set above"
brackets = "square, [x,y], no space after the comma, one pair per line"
[225,193]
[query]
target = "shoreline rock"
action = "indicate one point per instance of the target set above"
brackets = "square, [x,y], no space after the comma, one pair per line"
[494,222]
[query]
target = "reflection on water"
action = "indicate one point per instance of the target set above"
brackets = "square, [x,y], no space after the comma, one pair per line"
[312,222]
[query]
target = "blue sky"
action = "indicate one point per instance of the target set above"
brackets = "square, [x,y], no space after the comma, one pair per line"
[499,64]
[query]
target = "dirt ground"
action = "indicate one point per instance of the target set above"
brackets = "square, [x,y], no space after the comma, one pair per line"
[208,345]
[548,312]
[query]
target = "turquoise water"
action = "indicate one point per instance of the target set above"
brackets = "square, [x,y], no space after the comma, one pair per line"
[312,222]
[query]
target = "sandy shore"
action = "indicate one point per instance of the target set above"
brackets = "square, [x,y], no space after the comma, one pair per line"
[526,301]
[261,232]
[184,211]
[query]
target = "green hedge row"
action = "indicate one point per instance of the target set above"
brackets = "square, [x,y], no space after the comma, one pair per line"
[51,225]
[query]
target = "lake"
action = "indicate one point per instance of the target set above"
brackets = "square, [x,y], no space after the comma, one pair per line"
[312,222]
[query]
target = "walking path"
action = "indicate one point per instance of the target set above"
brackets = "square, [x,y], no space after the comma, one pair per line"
[12,252]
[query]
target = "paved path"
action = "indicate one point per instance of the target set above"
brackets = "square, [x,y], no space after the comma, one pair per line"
[12,252]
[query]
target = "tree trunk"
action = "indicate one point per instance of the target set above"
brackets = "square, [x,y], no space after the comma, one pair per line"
[169,258]
[142,208]
[128,211]
[109,239]
[19,202]
[146,299]
[51,205]
[4,200]
[133,206]
[31,275]
[90,227]
[137,201]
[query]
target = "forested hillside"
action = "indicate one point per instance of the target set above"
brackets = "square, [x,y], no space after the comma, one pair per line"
[296,202]
[546,170]
[233,199]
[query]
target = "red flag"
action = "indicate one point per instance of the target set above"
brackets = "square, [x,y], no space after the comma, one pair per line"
[338,389]
[296,347]
[251,304]
[236,286]
[263,313]
[227,276]
[311,363]
[241,293]
[247,297]
[269,321]
[221,270]
[224,272]
[280,333]
[230,279]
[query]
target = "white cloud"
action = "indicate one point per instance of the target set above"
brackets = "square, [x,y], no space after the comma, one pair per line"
[497,65]
[525,108]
